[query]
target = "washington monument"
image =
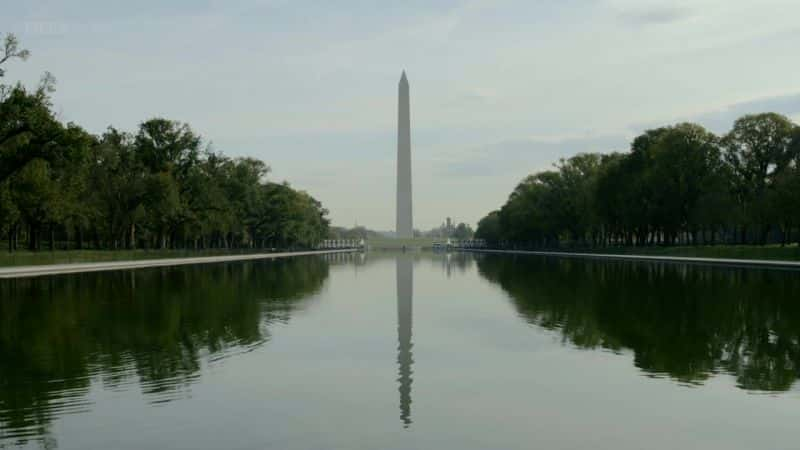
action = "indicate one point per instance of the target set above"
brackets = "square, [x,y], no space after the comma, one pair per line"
[405,222]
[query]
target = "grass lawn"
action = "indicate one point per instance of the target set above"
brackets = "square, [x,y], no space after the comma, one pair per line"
[787,253]
[26,258]
[393,244]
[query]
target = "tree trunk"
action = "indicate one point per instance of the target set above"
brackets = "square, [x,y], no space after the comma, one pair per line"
[31,238]
[132,245]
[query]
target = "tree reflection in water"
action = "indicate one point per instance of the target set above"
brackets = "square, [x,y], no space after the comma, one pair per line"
[150,328]
[685,322]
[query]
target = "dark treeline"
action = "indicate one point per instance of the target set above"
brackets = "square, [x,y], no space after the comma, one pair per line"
[677,185]
[357,232]
[158,187]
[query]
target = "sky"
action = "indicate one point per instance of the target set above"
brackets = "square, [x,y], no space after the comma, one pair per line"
[499,89]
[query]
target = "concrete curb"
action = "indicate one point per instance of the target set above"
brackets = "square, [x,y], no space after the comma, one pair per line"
[762,263]
[61,269]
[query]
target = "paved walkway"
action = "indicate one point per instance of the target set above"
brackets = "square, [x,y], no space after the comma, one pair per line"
[766,263]
[60,269]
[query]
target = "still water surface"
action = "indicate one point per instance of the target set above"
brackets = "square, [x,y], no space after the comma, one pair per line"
[403,351]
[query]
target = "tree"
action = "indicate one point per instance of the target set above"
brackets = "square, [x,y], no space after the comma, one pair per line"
[685,162]
[11,50]
[49,192]
[490,229]
[168,150]
[576,208]
[9,215]
[24,116]
[757,148]
[27,130]
[529,215]
[784,201]
[463,232]
[118,183]
[167,146]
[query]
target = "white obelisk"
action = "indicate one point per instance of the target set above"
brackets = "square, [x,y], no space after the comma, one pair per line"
[405,223]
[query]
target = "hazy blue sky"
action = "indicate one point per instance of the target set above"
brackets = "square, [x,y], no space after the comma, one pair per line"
[499,89]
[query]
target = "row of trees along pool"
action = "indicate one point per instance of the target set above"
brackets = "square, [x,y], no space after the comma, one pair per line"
[159,187]
[677,185]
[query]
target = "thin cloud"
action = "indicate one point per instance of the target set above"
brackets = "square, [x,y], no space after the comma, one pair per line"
[720,120]
[518,158]
[655,15]
[723,119]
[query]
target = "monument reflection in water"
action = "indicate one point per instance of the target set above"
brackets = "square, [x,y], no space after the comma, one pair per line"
[405,311]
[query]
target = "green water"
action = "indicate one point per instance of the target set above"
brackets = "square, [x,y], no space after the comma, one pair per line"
[403,351]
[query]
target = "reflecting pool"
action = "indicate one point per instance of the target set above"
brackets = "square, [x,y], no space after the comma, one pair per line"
[403,351]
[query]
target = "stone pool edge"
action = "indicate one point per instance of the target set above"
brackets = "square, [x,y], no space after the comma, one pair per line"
[63,269]
[754,263]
